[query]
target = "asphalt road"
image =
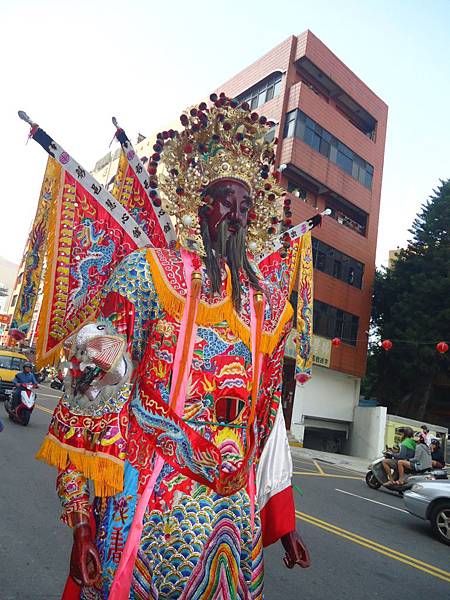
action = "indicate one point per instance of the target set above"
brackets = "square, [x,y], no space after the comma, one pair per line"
[362,544]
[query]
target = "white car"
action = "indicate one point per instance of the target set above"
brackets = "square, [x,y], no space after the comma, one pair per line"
[430,500]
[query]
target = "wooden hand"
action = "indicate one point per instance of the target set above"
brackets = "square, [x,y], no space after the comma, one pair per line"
[85,567]
[296,551]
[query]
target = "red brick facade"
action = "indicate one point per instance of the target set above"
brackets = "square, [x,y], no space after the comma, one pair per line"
[321,177]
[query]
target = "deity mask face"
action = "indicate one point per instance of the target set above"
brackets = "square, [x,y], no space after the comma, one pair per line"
[230,202]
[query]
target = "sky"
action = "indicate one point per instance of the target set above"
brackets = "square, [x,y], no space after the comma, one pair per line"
[73,65]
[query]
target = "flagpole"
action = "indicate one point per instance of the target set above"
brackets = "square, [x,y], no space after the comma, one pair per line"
[143,177]
[292,234]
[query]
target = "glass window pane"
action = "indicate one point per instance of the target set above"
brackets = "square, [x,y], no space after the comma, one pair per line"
[315,142]
[337,269]
[261,97]
[344,162]
[269,94]
[300,130]
[307,137]
[277,88]
[321,260]
[368,180]
[324,148]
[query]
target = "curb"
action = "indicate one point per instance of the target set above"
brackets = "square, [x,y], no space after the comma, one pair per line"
[336,460]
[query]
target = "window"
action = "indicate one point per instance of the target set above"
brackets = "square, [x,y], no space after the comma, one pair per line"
[270,135]
[11,362]
[14,300]
[337,264]
[348,215]
[264,91]
[289,126]
[331,322]
[301,126]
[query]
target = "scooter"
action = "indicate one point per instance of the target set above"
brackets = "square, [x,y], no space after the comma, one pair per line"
[20,412]
[376,476]
[41,375]
[57,383]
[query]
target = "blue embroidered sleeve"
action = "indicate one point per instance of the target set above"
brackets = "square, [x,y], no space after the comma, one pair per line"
[132,281]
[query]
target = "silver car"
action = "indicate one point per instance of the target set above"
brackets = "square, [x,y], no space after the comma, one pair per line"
[430,500]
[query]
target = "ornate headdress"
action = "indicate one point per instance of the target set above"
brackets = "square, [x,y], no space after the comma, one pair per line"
[224,140]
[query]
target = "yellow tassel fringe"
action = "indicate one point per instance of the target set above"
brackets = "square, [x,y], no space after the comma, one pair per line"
[208,315]
[105,471]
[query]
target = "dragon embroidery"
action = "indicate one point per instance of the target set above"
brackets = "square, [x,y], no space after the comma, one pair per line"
[98,257]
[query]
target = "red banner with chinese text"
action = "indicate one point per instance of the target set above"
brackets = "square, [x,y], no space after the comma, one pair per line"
[130,193]
[85,244]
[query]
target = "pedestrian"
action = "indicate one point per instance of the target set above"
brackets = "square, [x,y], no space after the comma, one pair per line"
[427,434]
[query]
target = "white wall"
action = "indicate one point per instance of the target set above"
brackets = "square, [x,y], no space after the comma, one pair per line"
[367,434]
[328,395]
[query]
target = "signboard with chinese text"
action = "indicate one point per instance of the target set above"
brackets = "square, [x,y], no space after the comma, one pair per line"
[321,349]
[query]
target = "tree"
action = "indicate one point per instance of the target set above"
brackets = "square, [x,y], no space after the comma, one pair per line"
[412,308]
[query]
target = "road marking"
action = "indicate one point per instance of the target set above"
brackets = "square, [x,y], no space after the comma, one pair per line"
[44,409]
[318,467]
[49,396]
[313,474]
[376,547]
[370,500]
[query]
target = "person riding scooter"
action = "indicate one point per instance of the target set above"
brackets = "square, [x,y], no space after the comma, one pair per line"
[437,456]
[421,461]
[407,449]
[25,377]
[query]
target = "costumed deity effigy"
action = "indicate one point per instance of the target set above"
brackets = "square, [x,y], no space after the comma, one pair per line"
[172,404]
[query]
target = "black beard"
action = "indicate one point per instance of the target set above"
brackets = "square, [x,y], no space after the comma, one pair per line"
[230,247]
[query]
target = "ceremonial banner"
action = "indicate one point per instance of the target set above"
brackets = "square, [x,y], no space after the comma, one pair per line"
[135,185]
[34,254]
[85,244]
[279,263]
[305,311]
[130,192]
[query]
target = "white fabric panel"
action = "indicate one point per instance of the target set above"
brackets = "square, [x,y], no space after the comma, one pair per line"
[274,471]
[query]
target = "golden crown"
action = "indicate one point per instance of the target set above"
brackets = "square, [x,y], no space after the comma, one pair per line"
[222,140]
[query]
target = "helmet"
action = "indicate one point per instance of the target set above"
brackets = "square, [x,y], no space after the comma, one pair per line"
[27,364]
[419,436]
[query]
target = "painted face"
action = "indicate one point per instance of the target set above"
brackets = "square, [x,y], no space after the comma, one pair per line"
[231,202]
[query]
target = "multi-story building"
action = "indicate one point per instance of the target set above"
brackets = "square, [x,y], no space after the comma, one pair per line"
[331,129]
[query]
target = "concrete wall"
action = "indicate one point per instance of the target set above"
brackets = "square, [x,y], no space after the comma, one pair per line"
[328,395]
[367,434]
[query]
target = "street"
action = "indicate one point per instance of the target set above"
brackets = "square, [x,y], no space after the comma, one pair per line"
[362,542]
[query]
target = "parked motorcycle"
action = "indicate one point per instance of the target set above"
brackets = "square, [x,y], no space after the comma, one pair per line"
[41,375]
[57,383]
[19,409]
[376,476]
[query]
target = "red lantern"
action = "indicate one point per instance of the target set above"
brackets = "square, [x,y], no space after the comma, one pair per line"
[336,342]
[302,378]
[442,347]
[387,345]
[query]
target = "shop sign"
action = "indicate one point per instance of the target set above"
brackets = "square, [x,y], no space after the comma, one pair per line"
[321,348]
